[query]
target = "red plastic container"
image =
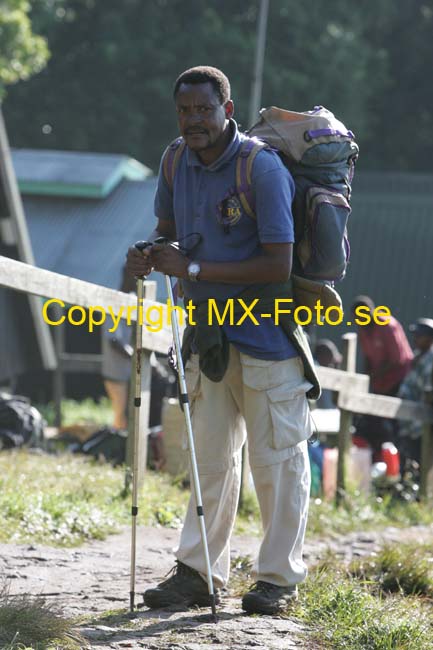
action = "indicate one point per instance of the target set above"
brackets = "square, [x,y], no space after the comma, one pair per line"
[391,457]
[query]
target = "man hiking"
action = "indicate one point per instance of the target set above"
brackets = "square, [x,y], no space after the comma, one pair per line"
[245,378]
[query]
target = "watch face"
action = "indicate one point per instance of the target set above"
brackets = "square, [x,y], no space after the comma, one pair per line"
[193,270]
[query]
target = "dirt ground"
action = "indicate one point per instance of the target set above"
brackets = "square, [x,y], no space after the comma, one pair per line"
[93,580]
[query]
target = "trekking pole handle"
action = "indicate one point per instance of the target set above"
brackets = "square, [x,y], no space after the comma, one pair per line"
[162,240]
[140,246]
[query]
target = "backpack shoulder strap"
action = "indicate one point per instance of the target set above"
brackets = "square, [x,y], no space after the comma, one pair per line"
[170,161]
[244,166]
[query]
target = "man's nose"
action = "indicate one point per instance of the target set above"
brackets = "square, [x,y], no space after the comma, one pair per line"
[195,117]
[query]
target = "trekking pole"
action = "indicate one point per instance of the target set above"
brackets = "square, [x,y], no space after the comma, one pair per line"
[140,245]
[193,460]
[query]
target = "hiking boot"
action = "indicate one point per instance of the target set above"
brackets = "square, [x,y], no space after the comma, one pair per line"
[184,588]
[266,598]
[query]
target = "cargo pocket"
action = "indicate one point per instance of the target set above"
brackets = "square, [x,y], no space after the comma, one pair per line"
[280,402]
[261,374]
[290,415]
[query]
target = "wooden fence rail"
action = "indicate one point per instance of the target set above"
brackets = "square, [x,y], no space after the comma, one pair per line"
[30,279]
[40,282]
[395,408]
[352,387]
[354,398]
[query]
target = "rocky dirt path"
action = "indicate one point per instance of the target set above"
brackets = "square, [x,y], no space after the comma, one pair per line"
[93,580]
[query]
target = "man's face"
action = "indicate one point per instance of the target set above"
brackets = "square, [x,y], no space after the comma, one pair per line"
[201,116]
[422,341]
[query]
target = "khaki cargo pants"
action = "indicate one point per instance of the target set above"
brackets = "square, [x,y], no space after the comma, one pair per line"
[265,399]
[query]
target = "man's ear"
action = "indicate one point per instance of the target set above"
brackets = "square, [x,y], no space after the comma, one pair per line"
[229,109]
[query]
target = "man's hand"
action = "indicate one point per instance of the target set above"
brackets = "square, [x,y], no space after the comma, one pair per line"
[169,260]
[138,263]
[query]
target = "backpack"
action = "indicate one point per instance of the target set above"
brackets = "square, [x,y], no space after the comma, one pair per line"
[20,422]
[320,153]
[107,443]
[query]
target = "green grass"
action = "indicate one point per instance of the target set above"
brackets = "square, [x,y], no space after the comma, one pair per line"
[85,412]
[352,609]
[359,512]
[31,622]
[405,569]
[65,500]
[71,511]
[382,602]
[344,614]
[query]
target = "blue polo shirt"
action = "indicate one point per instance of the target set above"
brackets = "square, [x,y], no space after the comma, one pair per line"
[195,205]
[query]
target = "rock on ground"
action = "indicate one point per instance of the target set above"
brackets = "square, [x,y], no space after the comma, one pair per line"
[94,580]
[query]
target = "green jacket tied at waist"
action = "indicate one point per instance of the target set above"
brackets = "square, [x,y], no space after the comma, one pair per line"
[212,345]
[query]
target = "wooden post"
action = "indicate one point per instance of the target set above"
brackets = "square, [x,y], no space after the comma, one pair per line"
[426,487]
[23,244]
[349,364]
[58,376]
[350,341]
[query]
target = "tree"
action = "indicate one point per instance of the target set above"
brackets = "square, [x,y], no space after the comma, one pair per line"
[108,84]
[403,134]
[22,53]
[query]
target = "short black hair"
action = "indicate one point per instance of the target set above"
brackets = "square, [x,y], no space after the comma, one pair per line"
[202,74]
[364,301]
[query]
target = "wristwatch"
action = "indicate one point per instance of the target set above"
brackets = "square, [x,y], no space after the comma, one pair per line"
[193,271]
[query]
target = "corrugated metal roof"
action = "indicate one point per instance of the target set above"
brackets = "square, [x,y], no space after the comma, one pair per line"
[71,173]
[88,239]
[393,182]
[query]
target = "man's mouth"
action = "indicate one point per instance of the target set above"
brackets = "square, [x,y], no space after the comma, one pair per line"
[195,132]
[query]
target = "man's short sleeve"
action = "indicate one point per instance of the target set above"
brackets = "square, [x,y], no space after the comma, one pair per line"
[163,205]
[274,189]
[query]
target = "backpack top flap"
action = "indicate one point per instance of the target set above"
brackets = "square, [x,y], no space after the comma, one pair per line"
[296,133]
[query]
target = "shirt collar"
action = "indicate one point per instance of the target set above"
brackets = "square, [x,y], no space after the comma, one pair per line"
[228,153]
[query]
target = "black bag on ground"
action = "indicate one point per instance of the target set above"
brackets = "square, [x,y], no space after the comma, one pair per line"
[20,422]
[108,443]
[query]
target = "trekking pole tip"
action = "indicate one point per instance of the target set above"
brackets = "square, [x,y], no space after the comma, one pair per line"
[213,606]
[131,601]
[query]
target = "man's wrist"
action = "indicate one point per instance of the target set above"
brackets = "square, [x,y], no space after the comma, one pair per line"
[185,269]
[193,271]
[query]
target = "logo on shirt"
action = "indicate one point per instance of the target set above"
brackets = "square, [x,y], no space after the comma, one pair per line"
[230,211]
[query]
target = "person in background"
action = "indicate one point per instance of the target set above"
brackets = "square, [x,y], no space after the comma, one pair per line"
[117,353]
[161,386]
[418,387]
[388,357]
[387,353]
